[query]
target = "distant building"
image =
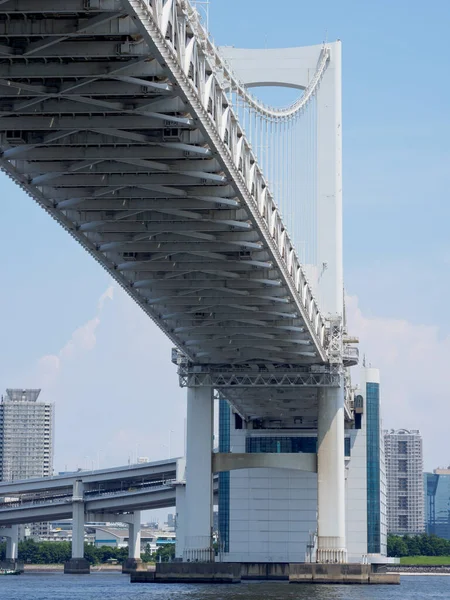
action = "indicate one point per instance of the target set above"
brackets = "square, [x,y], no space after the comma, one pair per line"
[26,436]
[404,469]
[117,537]
[437,502]
[26,442]
[171,521]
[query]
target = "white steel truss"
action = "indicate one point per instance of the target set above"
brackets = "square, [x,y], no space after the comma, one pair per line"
[235,378]
[114,117]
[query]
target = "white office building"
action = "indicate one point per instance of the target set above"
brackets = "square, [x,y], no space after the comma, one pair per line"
[405,494]
[269,514]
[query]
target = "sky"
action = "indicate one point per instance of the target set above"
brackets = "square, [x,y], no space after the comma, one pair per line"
[68,329]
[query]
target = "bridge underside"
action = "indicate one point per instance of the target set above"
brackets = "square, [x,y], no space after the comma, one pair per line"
[296,408]
[95,128]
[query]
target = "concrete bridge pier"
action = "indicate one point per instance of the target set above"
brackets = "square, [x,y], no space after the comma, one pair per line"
[180,502]
[199,477]
[12,542]
[77,565]
[11,534]
[331,477]
[133,561]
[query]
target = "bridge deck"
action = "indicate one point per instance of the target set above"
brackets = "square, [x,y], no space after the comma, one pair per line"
[98,129]
[146,472]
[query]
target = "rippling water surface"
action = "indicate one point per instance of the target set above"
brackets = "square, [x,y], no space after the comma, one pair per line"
[98,586]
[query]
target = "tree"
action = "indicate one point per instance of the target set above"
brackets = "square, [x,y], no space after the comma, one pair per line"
[413,544]
[147,555]
[396,546]
[165,553]
[418,545]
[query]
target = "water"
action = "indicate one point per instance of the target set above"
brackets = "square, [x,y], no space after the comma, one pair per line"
[99,586]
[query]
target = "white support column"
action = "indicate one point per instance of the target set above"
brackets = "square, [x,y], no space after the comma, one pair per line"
[78,520]
[331,477]
[180,499]
[329,186]
[199,492]
[77,565]
[11,534]
[12,543]
[134,536]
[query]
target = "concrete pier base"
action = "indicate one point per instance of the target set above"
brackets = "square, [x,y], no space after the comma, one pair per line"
[190,573]
[132,564]
[142,576]
[315,573]
[265,571]
[340,574]
[12,564]
[77,566]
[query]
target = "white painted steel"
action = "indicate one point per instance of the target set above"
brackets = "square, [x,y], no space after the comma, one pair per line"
[180,523]
[302,461]
[329,193]
[331,477]
[118,124]
[199,478]
[300,149]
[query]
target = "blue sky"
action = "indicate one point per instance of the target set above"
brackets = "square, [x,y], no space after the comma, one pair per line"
[108,367]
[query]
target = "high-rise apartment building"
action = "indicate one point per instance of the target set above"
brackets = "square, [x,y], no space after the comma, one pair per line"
[269,514]
[404,469]
[26,442]
[26,436]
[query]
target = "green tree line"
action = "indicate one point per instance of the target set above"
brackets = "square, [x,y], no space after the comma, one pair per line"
[417,545]
[51,553]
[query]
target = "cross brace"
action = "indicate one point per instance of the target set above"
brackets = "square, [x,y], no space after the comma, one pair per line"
[192,375]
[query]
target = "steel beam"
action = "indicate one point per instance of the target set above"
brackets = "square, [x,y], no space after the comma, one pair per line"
[29,28]
[86,27]
[58,70]
[232,378]
[42,123]
[55,6]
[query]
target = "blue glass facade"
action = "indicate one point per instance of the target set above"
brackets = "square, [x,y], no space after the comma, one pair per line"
[373,467]
[290,445]
[347,446]
[281,444]
[224,478]
[437,504]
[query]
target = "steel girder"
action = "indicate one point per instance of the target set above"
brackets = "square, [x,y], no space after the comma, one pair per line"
[233,378]
[133,148]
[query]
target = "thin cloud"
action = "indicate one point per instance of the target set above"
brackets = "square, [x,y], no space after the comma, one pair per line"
[413,360]
[83,339]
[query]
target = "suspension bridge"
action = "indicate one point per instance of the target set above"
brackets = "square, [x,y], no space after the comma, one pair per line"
[219,215]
